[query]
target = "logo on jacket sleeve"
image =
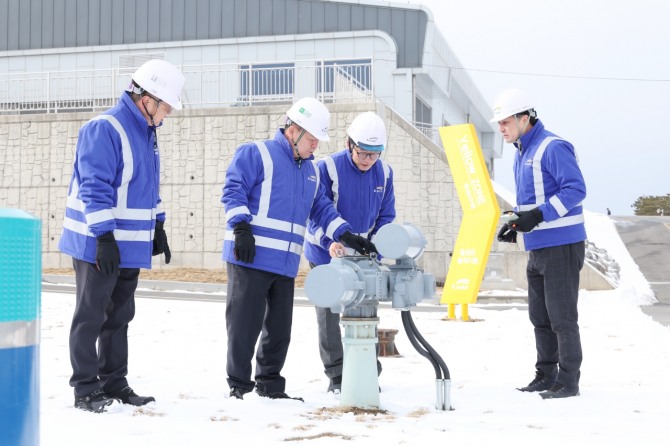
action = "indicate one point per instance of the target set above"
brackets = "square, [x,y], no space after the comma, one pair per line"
[311,178]
[379,189]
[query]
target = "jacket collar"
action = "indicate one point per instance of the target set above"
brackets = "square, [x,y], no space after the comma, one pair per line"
[285,144]
[137,115]
[526,138]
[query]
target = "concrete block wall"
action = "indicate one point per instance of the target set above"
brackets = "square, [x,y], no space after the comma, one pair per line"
[513,270]
[37,151]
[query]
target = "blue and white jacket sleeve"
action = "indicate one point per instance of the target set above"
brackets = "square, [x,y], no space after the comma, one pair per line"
[327,183]
[244,171]
[325,216]
[561,162]
[160,215]
[99,158]
[387,212]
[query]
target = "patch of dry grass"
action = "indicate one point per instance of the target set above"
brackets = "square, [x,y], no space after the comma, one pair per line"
[147,411]
[321,435]
[199,275]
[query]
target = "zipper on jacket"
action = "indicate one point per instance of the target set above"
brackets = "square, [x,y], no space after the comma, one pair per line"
[155,179]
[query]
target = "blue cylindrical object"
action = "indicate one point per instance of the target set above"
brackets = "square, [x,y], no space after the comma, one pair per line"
[20,291]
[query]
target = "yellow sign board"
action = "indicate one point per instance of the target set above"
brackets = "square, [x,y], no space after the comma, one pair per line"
[480,214]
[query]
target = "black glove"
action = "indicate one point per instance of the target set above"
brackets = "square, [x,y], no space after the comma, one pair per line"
[245,243]
[507,234]
[360,244]
[161,243]
[107,256]
[527,220]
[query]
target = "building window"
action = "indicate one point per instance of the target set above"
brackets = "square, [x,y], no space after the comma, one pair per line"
[128,63]
[423,119]
[354,72]
[267,80]
[423,114]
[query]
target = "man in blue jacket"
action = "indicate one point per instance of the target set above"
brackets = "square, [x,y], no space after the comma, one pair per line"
[549,194]
[361,186]
[272,189]
[113,225]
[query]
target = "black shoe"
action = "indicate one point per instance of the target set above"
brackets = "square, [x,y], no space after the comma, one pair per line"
[335,384]
[95,401]
[277,395]
[128,396]
[559,390]
[236,392]
[540,383]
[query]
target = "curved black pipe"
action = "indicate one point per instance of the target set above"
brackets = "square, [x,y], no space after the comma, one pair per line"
[430,349]
[411,335]
[430,353]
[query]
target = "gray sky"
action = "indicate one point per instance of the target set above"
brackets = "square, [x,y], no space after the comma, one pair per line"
[599,71]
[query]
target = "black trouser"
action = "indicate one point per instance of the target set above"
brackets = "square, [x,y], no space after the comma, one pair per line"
[553,290]
[105,306]
[258,303]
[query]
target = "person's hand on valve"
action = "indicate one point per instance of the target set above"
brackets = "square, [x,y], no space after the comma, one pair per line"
[360,244]
[245,243]
[336,250]
[160,242]
[527,220]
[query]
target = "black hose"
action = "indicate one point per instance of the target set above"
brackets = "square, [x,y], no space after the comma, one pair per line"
[430,349]
[435,357]
[411,335]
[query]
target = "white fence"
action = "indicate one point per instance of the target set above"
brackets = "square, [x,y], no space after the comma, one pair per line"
[221,85]
[430,131]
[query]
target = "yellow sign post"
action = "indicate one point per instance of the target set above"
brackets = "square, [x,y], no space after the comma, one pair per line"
[480,216]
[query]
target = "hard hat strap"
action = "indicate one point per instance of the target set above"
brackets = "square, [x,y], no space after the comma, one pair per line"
[295,144]
[295,147]
[151,117]
[350,144]
[521,130]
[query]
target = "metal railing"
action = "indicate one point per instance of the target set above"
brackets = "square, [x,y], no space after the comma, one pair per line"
[215,85]
[430,131]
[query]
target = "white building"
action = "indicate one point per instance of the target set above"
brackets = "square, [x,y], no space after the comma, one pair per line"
[244,61]
[61,55]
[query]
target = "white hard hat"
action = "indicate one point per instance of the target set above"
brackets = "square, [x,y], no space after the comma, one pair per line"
[368,132]
[509,103]
[161,79]
[312,116]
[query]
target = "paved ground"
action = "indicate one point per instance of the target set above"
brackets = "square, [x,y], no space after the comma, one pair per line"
[648,241]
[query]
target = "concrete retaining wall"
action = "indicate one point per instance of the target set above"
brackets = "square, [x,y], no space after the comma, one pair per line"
[37,151]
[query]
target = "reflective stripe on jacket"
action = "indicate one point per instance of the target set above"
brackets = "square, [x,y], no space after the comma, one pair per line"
[547,176]
[366,200]
[114,187]
[266,187]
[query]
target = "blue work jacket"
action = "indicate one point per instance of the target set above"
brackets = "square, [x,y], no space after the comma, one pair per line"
[266,187]
[548,176]
[114,187]
[366,200]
